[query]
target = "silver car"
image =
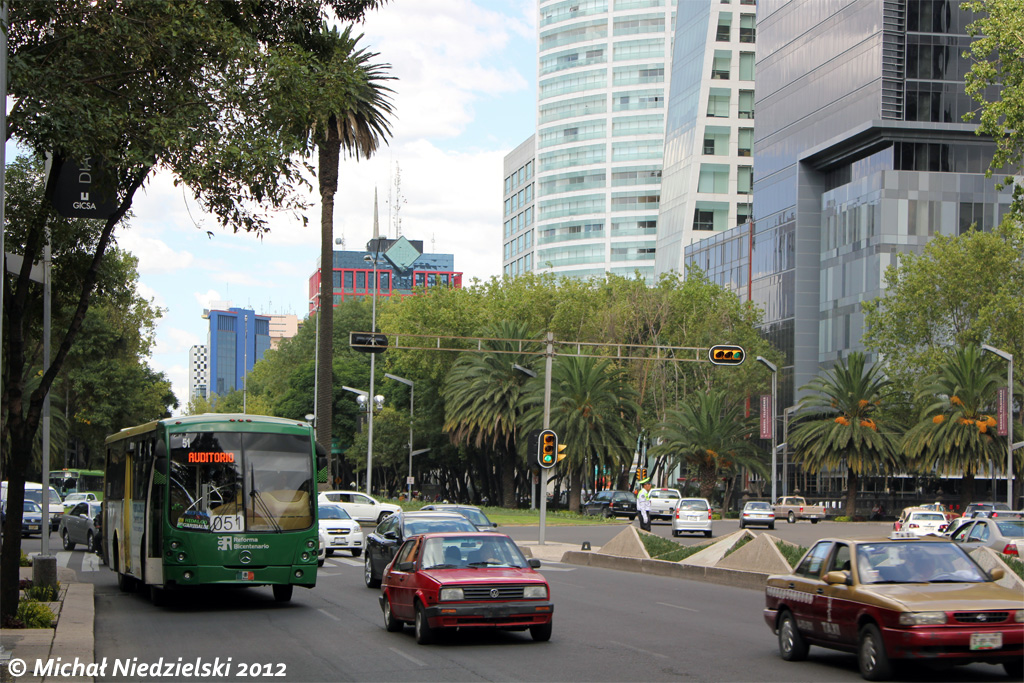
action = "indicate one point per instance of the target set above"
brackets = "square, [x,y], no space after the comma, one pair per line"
[1002,535]
[692,514]
[757,512]
[81,526]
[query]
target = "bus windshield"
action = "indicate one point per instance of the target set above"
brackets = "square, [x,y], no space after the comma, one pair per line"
[227,482]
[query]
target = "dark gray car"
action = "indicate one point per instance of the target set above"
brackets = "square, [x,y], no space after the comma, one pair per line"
[384,541]
[79,526]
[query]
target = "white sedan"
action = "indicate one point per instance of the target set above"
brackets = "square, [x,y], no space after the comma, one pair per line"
[339,530]
[360,506]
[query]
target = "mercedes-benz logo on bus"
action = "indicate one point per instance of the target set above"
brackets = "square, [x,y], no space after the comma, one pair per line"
[245,557]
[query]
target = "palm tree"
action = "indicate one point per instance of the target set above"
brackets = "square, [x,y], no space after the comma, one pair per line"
[710,434]
[482,402]
[953,435]
[353,118]
[593,411]
[843,427]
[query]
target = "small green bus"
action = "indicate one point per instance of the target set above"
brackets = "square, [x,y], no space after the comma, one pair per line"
[76,480]
[212,499]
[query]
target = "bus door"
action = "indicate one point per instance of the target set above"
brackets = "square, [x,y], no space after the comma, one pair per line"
[155,489]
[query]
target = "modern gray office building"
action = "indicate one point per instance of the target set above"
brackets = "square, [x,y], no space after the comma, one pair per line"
[860,154]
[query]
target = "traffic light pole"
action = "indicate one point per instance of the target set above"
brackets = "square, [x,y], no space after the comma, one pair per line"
[548,356]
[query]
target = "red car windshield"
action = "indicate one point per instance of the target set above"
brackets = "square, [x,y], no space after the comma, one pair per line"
[456,552]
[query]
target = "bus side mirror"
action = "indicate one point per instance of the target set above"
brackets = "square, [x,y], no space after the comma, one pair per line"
[160,452]
[321,457]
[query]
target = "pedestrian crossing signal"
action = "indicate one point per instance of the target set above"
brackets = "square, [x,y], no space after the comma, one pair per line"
[547,453]
[726,355]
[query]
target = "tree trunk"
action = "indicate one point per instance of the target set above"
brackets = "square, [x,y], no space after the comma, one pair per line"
[328,157]
[967,489]
[706,475]
[575,489]
[508,480]
[852,484]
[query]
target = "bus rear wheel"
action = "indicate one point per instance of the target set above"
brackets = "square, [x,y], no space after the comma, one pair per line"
[283,592]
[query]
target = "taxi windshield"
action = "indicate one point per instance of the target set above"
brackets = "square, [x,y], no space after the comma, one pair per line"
[915,562]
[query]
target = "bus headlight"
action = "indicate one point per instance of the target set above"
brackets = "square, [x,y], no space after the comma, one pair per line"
[452,594]
[305,557]
[181,557]
[175,545]
[298,573]
[311,543]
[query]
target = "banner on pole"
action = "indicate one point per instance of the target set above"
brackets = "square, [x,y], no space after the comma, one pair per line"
[1003,405]
[766,416]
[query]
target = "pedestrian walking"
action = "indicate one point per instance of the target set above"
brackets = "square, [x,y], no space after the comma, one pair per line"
[643,504]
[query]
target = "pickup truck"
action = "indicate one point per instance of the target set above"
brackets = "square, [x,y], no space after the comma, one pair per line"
[793,508]
[664,503]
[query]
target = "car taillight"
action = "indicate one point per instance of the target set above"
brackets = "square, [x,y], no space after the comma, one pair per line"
[801,508]
[709,514]
[1010,549]
[911,526]
[677,514]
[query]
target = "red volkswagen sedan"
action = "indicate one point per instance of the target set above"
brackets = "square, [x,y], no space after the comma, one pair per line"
[914,599]
[462,580]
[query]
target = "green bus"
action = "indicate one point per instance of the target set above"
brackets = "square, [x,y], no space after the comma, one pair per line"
[75,480]
[212,499]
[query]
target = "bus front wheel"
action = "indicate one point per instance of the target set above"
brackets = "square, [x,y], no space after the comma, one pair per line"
[282,592]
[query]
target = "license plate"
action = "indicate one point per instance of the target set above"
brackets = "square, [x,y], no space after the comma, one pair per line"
[246,576]
[693,518]
[986,641]
[33,527]
[340,539]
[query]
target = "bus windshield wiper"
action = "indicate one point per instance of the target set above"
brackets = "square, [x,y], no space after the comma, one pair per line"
[259,502]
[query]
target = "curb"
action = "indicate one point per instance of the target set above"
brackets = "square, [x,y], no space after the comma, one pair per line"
[717,575]
[74,637]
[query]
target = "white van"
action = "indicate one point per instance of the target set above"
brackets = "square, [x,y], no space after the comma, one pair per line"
[34,492]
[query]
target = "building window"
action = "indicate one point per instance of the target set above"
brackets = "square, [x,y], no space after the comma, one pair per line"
[724,27]
[748,30]
[720,66]
[714,178]
[745,179]
[703,220]
[746,108]
[745,147]
[716,140]
[746,66]
[744,212]
[718,103]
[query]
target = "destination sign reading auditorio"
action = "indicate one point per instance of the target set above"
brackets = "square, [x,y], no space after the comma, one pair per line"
[203,457]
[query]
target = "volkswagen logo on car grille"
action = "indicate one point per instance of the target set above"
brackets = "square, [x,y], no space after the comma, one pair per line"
[245,557]
[494,592]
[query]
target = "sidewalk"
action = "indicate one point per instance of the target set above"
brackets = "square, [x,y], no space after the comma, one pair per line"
[72,639]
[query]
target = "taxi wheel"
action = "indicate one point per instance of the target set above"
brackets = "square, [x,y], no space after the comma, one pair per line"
[874,663]
[424,634]
[390,623]
[792,646]
[368,578]
[68,544]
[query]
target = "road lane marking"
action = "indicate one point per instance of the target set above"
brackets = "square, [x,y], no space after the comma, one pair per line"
[323,573]
[326,613]
[409,657]
[351,563]
[91,562]
[668,604]
[639,649]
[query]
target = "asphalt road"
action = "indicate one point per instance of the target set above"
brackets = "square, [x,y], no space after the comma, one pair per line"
[609,626]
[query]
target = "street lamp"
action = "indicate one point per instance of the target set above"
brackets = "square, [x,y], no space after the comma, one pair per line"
[1008,357]
[363,399]
[407,382]
[373,357]
[775,373]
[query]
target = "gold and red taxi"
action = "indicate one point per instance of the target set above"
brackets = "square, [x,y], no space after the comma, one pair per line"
[922,599]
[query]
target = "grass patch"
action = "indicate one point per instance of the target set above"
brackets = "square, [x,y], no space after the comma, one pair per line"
[1014,564]
[792,553]
[841,518]
[25,560]
[663,549]
[739,544]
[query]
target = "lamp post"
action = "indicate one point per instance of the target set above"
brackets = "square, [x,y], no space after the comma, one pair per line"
[1008,357]
[373,357]
[775,373]
[785,447]
[407,382]
[363,399]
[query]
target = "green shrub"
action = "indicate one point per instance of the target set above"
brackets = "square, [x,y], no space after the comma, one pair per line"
[43,593]
[25,560]
[791,552]
[1014,564]
[663,549]
[739,544]
[841,518]
[34,614]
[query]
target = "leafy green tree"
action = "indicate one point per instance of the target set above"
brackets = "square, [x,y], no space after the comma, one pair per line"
[840,424]
[483,404]
[996,82]
[960,290]
[189,87]
[954,434]
[710,434]
[593,411]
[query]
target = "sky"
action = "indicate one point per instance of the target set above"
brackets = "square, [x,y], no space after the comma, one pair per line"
[465,96]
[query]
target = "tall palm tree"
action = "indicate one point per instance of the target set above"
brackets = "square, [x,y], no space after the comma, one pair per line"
[709,433]
[482,402]
[593,411]
[954,434]
[842,426]
[352,117]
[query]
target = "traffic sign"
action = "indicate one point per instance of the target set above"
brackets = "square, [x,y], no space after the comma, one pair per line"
[368,342]
[725,354]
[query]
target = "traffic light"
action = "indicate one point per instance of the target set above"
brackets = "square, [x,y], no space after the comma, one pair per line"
[547,452]
[368,342]
[724,354]
[561,452]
